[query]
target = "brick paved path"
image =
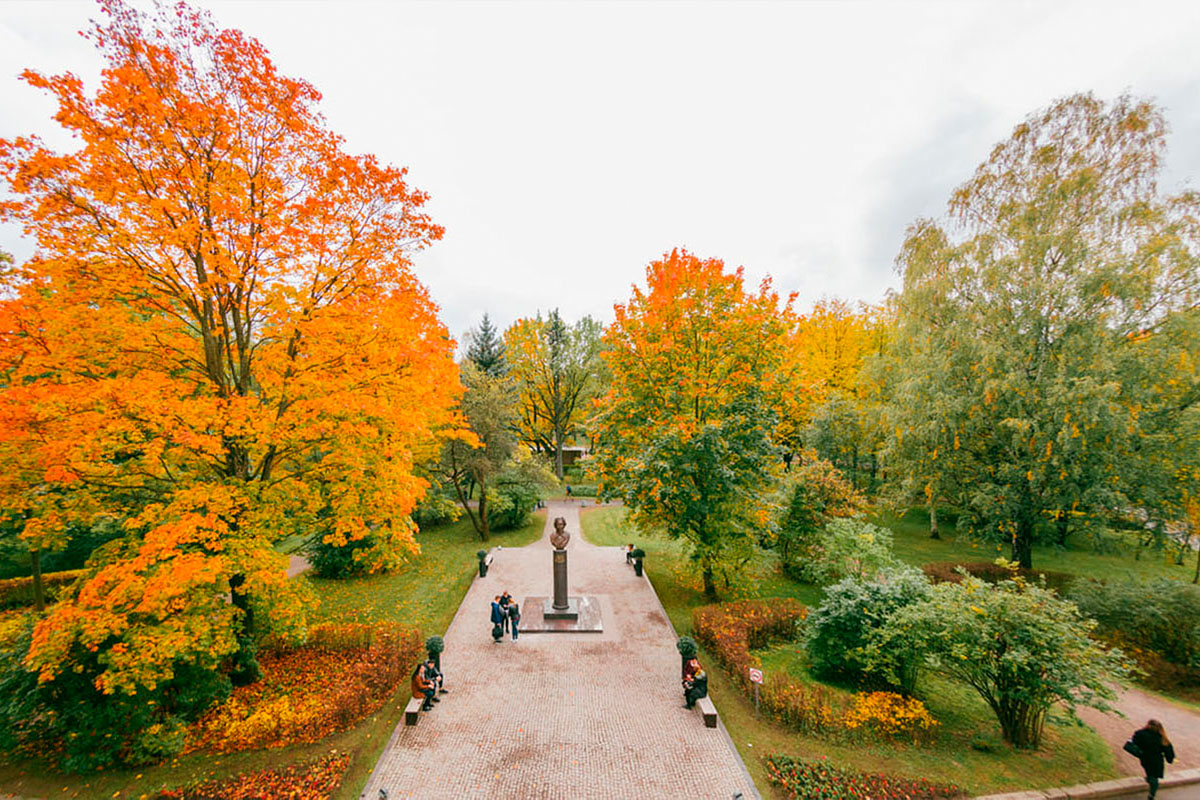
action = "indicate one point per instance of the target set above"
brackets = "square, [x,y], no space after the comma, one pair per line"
[555,715]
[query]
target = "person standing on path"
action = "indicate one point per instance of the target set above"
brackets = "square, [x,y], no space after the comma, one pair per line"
[505,599]
[514,617]
[497,620]
[1153,747]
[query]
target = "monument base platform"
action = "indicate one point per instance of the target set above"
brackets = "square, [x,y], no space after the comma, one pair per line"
[570,612]
[541,617]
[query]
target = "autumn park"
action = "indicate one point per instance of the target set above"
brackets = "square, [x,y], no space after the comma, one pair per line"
[939,544]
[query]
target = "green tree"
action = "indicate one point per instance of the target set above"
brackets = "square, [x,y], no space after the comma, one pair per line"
[1019,322]
[487,348]
[1019,646]
[470,462]
[685,433]
[556,366]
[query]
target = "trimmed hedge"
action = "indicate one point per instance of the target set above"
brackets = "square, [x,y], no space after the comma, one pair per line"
[18,592]
[942,571]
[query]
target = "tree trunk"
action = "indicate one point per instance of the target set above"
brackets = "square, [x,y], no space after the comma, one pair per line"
[934,533]
[854,466]
[558,445]
[1022,543]
[710,586]
[245,666]
[484,529]
[1064,528]
[1196,577]
[39,586]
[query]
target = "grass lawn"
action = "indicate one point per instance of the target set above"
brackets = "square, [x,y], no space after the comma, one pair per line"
[912,544]
[425,594]
[1069,754]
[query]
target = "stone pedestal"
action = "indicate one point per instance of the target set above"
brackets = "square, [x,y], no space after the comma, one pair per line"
[561,603]
[571,611]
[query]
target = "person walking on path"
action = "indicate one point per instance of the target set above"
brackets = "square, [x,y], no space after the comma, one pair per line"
[497,620]
[1151,746]
[514,617]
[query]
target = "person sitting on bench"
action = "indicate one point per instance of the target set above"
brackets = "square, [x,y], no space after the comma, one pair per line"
[695,682]
[423,687]
[435,676]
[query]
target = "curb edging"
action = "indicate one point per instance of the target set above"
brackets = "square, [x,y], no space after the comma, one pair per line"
[1114,788]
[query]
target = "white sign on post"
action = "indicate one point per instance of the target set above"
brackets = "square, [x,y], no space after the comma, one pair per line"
[756,679]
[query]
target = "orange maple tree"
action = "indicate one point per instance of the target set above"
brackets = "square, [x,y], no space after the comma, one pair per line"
[686,433]
[219,341]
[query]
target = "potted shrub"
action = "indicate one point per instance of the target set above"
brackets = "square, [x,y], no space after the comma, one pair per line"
[687,649]
[434,646]
[638,554]
[482,555]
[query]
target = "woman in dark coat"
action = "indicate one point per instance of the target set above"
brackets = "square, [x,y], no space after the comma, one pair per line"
[1155,747]
[497,620]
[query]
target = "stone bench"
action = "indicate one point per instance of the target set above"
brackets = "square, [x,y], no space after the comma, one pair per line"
[412,711]
[708,710]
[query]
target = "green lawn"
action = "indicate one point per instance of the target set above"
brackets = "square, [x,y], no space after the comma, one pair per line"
[912,544]
[1069,754]
[425,593]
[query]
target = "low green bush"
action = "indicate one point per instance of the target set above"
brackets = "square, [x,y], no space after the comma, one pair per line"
[582,490]
[1162,616]
[849,547]
[89,730]
[840,632]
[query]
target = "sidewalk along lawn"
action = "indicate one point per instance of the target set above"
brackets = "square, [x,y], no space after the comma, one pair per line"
[1070,753]
[425,593]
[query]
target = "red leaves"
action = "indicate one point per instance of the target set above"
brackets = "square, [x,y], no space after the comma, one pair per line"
[315,780]
[343,674]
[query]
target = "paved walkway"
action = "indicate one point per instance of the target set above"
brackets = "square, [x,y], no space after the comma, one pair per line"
[556,715]
[1182,724]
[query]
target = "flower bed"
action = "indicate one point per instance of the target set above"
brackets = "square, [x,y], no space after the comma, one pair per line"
[315,780]
[342,674]
[888,714]
[731,630]
[806,779]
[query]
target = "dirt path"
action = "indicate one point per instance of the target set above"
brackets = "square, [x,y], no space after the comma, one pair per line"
[1182,724]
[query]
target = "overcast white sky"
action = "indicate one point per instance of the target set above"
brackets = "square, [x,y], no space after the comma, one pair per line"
[565,145]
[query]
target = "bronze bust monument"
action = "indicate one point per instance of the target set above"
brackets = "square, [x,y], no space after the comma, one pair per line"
[560,537]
